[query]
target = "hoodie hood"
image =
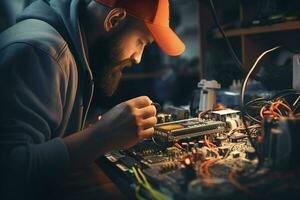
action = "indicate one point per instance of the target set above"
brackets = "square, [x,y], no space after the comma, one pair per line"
[63,15]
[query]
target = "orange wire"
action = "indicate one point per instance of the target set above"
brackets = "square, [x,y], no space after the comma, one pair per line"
[286,106]
[274,109]
[232,179]
[274,106]
[204,167]
[278,110]
[206,141]
[262,110]
[210,164]
[211,146]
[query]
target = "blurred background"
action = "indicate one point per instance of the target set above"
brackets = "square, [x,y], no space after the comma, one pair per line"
[251,27]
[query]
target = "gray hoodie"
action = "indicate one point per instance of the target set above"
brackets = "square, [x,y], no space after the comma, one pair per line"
[46,88]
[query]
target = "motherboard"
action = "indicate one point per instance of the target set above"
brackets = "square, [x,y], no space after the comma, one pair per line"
[208,157]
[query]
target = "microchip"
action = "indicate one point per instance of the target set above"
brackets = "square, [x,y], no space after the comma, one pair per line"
[238,137]
[170,127]
[128,161]
[188,128]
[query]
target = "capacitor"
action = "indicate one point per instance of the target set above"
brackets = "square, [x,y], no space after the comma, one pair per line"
[168,117]
[160,118]
[220,140]
[235,154]
[192,144]
[185,146]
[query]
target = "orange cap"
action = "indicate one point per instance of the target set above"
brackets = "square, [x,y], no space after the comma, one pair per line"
[155,15]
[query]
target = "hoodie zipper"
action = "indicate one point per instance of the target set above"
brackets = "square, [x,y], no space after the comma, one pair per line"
[90,76]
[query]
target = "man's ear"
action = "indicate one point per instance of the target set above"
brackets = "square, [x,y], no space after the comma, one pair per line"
[113,18]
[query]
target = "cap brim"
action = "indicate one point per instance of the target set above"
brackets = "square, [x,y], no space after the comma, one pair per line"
[166,39]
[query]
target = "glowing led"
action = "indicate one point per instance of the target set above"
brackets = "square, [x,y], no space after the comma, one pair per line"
[187,161]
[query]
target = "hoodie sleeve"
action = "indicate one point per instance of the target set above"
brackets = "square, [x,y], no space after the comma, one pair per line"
[33,89]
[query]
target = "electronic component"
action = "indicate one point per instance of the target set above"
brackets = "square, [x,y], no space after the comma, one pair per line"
[281,143]
[238,137]
[296,72]
[193,158]
[189,128]
[235,154]
[231,117]
[163,118]
[207,96]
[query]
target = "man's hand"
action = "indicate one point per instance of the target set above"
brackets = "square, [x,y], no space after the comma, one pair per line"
[129,122]
[120,128]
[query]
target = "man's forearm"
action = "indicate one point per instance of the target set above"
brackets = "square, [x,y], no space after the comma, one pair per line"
[86,146]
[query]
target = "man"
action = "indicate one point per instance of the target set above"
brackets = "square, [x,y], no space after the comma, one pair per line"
[47,82]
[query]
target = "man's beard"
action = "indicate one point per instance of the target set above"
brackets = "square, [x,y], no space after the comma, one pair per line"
[106,63]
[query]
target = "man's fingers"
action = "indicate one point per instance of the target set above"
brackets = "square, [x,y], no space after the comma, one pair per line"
[147,133]
[147,112]
[140,102]
[149,123]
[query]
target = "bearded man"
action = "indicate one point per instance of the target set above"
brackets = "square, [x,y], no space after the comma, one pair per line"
[50,61]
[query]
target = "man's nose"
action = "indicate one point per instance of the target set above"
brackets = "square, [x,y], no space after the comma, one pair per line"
[137,56]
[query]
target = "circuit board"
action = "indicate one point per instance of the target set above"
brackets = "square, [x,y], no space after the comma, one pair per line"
[194,159]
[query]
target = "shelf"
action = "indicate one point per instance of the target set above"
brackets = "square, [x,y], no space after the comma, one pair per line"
[293,25]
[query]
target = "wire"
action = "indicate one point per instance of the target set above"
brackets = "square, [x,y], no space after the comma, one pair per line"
[251,71]
[276,110]
[203,113]
[230,150]
[242,100]
[233,54]
[143,182]
[285,93]
[204,167]
[232,179]
[272,104]
[212,147]
[296,104]
[137,193]
[243,91]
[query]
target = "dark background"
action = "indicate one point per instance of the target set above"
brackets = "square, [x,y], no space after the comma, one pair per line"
[172,80]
